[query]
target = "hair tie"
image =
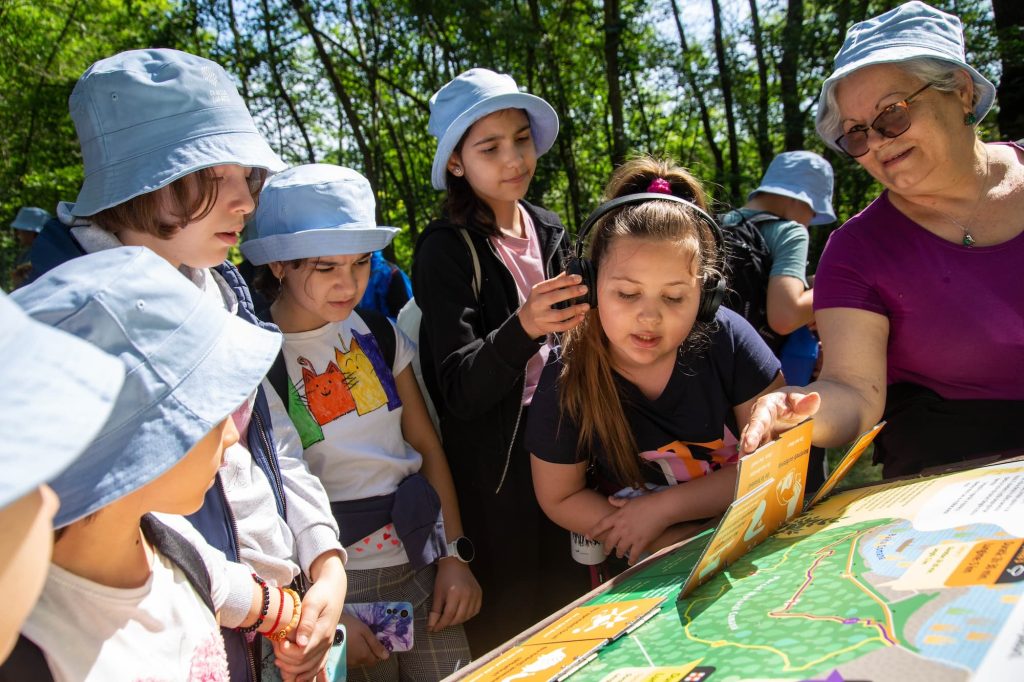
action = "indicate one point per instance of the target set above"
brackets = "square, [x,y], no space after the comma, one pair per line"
[659,186]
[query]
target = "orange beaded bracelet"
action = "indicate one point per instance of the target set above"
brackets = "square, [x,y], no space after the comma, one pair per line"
[283,633]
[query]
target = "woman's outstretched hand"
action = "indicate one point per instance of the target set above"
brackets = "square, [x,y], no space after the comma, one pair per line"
[773,413]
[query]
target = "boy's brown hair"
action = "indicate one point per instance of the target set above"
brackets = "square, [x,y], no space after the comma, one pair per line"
[185,200]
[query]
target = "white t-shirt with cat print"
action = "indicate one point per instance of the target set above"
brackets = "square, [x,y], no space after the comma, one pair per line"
[345,405]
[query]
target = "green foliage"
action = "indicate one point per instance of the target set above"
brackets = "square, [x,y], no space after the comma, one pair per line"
[348,82]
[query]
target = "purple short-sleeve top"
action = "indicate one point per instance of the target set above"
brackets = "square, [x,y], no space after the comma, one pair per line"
[956,314]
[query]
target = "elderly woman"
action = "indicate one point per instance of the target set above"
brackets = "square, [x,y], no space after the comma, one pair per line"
[918,299]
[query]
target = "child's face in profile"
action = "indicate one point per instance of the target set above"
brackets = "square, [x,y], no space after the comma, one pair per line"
[321,290]
[204,243]
[181,489]
[498,156]
[26,542]
[648,294]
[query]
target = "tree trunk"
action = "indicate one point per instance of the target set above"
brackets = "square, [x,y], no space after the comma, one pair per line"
[764,141]
[793,118]
[44,73]
[282,91]
[725,79]
[612,41]
[1009,20]
[697,93]
[567,131]
[305,15]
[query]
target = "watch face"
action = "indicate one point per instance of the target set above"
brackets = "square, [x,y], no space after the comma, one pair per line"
[464,549]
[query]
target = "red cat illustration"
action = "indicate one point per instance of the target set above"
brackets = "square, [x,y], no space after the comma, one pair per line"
[327,394]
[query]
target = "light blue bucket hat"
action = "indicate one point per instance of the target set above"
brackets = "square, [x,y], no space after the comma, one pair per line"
[911,31]
[314,210]
[30,219]
[57,393]
[474,94]
[189,365]
[148,117]
[805,176]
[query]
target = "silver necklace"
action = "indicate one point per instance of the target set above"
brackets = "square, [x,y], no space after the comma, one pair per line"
[968,239]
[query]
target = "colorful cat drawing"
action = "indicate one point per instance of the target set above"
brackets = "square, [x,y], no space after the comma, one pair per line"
[368,343]
[361,378]
[327,394]
[302,418]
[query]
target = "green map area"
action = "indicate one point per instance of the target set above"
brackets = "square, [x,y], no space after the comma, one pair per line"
[827,598]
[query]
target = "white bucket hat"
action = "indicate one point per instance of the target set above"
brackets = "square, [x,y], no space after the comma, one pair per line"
[148,117]
[911,31]
[189,365]
[30,219]
[472,95]
[57,393]
[804,176]
[315,210]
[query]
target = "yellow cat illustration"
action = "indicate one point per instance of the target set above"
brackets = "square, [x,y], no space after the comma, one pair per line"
[361,378]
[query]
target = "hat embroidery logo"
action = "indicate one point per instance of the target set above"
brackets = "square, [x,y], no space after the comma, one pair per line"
[217,95]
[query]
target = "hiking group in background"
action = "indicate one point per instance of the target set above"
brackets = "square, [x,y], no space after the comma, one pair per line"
[248,471]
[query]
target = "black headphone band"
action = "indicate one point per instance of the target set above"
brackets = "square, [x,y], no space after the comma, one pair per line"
[640,198]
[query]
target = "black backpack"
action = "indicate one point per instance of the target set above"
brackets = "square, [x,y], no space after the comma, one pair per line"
[747,266]
[27,661]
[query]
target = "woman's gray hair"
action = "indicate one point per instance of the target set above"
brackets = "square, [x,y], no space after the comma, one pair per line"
[944,76]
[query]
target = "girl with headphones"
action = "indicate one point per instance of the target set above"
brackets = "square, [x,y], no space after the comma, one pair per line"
[640,397]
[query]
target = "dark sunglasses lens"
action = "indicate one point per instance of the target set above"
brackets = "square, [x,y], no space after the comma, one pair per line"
[854,143]
[893,123]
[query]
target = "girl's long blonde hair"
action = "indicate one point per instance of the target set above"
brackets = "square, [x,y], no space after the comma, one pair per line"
[587,390]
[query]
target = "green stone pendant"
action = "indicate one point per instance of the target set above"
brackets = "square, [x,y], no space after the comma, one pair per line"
[968,240]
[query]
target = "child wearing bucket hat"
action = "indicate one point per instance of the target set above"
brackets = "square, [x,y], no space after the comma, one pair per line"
[487,276]
[49,378]
[795,193]
[363,421]
[26,225]
[174,162]
[122,582]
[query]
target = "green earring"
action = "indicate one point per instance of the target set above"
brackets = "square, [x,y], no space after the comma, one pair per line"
[970,119]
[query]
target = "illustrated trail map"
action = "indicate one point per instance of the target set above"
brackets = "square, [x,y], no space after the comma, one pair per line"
[909,580]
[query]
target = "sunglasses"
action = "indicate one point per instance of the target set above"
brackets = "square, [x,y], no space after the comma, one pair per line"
[891,122]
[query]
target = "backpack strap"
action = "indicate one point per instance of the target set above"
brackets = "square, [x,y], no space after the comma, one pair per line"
[476,262]
[26,662]
[277,375]
[182,554]
[382,330]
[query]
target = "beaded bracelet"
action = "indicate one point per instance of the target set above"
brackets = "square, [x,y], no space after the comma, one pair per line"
[266,605]
[282,634]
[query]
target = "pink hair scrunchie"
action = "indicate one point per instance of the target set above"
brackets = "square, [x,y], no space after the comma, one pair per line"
[660,186]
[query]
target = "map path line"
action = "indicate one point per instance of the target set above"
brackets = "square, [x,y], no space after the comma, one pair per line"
[827,552]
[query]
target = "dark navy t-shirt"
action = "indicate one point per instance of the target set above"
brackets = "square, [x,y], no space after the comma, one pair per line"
[676,432]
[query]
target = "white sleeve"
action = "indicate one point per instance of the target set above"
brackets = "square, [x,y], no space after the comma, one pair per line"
[308,509]
[405,350]
[230,583]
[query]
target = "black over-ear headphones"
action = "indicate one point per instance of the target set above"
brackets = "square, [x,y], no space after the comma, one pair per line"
[714,288]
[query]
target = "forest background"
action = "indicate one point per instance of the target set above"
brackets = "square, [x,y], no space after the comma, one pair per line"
[719,85]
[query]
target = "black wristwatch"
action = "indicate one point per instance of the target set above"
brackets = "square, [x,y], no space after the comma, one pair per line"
[462,549]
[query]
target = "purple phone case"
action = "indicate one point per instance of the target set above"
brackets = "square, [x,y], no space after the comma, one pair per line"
[390,622]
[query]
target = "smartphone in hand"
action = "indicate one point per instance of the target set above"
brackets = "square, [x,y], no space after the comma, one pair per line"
[390,622]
